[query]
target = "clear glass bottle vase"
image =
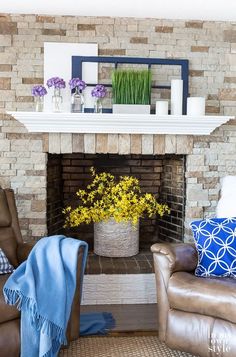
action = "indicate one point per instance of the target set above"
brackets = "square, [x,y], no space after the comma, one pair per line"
[77,101]
[98,105]
[57,100]
[38,103]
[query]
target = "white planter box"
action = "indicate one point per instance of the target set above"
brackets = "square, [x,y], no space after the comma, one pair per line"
[131,109]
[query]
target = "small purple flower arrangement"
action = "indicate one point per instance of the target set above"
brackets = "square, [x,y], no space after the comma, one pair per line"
[56,82]
[77,83]
[39,91]
[99,91]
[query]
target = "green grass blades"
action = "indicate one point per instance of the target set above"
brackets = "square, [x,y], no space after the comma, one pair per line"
[131,86]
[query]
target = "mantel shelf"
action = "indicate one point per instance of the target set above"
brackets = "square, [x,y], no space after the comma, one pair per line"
[118,123]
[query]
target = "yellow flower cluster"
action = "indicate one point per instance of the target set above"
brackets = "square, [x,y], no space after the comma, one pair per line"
[108,198]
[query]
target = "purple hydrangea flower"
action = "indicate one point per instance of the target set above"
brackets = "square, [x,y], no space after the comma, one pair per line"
[99,91]
[77,82]
[39,91]
[56,82]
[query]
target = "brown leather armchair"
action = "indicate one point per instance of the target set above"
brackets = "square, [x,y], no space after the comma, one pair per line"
[196,315]
[16,251]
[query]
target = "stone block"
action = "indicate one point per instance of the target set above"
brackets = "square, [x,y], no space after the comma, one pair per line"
[53,32]
[139,40]
[124,144]
[38,206]
[147,144]
[136,144]
[159,144]
[49,19]
[113,143]
[4,145]
[230,36]
[164,29]
[230,80]
[112,52]
[227,94]
[86,27]
[5,67]
[5,41]
[66,143]
[8,28]
[194,24]
[89,143]
[199,48]
[195,160]
[32,80]
[196,73]
[184,144]
[105,30]
[170,144]
[54,143]
[196,193]
[78,143]
[101,143]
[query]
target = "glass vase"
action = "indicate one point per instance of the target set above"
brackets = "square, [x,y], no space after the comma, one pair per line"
[98,105]
[77,101]
[38,104]
[57,100]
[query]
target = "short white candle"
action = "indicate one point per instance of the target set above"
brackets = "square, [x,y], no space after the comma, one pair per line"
[176,96]
[196,106]
[161,107]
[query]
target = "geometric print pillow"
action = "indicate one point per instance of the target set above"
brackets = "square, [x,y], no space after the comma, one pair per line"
[215,240]
[5,266]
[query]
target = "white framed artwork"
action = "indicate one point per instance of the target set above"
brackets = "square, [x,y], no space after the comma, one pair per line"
[58,63]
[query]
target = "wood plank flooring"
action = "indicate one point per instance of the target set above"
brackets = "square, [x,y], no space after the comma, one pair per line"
[130,319]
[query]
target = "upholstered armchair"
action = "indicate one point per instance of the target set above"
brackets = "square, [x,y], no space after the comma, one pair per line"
[16,251]
[196,315]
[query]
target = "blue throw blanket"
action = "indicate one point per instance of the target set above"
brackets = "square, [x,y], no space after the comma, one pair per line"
[43,288]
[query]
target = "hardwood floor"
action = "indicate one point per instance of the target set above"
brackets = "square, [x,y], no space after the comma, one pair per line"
[130,319]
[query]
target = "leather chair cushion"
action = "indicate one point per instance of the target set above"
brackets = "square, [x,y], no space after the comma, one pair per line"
[9,245]
[7,312]
[206,296]
[10,339]
[5,217]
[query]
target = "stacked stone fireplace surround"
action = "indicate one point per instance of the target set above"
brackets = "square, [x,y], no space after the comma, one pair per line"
[24,157]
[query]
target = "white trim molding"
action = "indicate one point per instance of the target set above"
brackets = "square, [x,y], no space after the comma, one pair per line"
[118,123]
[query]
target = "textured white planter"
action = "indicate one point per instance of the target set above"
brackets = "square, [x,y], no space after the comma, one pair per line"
[112,239]
[130,109]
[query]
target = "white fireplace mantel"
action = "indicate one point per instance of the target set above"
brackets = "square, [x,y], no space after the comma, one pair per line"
[118,123]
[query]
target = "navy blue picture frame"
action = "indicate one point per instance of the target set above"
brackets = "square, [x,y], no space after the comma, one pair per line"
[77,64]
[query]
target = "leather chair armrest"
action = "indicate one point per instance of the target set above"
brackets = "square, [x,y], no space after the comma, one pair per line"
[168,258]
[23,250]
[181,256]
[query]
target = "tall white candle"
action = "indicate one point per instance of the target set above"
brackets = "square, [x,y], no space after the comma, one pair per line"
[176,96]
[196,106]
[161,107]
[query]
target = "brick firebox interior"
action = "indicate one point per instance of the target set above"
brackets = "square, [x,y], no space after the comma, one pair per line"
[162,175]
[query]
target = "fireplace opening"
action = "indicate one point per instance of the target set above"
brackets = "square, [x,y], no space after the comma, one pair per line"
[162,175]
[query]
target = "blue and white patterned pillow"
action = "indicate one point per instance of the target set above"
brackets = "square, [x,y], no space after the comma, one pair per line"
[215,241]
[5,266]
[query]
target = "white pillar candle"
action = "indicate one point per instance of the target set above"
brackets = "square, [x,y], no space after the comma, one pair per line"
[176,96]
[161,107]
[196,106]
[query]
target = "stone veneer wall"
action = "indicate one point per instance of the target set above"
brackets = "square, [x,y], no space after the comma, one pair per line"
[211,50]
